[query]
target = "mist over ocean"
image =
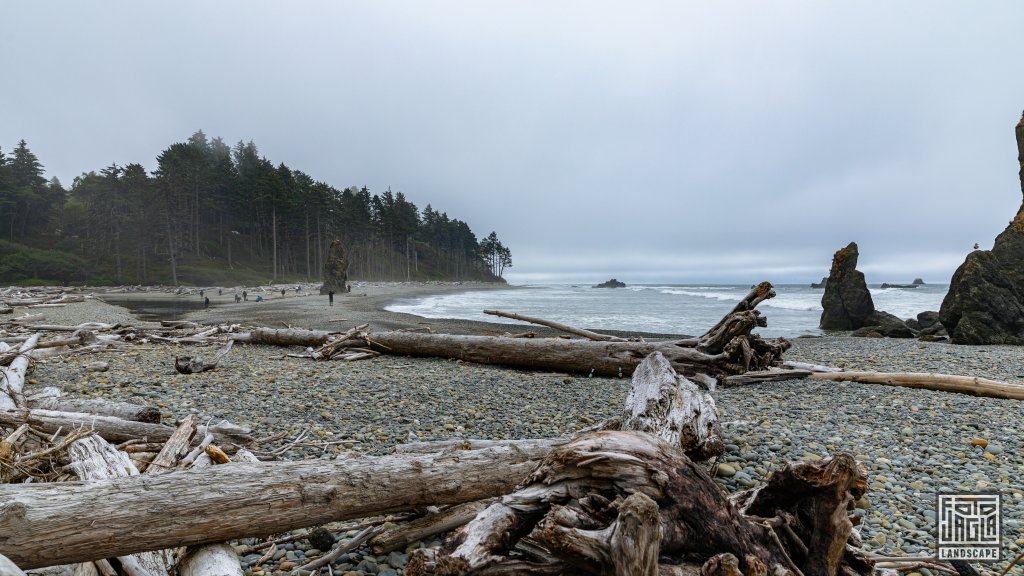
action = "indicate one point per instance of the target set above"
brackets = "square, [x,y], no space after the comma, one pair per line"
[666,309]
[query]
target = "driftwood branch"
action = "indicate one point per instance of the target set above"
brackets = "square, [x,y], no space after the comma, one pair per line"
[557,326]
[971,385]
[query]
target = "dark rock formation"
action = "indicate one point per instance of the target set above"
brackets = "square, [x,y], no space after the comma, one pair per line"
[613,283]
[821,284]
[884,324]
[887,285]
[846,303]
[918,282]
[985,302]
[335,270]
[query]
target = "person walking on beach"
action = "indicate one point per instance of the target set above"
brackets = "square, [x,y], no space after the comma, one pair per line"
[202,293]
[206,302]
[330,297]
[259,298]
[283,291]
[237,298]
[245,295]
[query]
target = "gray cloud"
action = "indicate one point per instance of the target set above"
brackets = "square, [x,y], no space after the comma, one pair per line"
[651,141]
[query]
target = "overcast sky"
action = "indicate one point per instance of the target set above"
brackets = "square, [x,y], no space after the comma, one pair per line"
[649,141]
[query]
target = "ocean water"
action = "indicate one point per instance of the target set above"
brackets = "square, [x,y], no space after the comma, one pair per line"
[663,309]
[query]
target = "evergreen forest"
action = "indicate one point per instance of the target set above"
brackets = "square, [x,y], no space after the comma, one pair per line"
[217,214]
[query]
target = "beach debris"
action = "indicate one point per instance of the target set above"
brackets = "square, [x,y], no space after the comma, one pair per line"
[97,366]
[191,365]
[971,385]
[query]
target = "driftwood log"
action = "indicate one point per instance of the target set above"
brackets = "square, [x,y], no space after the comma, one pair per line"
[51,398]
[41,524]
[12,378]
[943,382]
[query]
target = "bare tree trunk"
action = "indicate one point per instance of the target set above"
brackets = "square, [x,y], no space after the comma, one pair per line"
[43,523]
[942,382]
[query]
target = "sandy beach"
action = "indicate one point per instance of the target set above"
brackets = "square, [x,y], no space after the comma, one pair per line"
[915,442]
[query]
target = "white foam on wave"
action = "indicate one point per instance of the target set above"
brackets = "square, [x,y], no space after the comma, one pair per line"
[794,302]
[709,295]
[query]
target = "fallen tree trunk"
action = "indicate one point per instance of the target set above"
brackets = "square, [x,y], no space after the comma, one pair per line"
[971,385]
[285,337]
[112,429]
[41,524]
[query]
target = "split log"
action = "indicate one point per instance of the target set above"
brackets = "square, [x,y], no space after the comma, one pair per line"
[42,524]
[286,337]
[50,398]
[227,435]
[91,326]
[557,326]
[771,375]
[971,385]
[812,367]
[12,378]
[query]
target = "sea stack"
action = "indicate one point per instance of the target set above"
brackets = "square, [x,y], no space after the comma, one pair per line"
[613,283]
[335,270]
[846,303]
[985,303]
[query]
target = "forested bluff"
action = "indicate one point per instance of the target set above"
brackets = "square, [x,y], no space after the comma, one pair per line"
[214,214]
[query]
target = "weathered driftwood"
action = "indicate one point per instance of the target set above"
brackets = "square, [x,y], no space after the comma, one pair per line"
[557,326]
[113,429]
[42,524]
[93,459]
[209,559]
[12,378]
[190,365]
[807,366]
[727,348]
[941,382]
[50,398]
[284,337]
[8,568]
[568,506]
[667,405]
[765,376]
[422,528]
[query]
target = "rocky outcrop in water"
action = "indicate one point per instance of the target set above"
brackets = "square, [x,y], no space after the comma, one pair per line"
[822,284]
[846,303]
[985,302]
[613,283]
[335,270]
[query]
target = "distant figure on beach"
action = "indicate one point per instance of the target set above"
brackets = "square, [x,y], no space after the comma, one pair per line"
[330,298]
[348,288]
[283,290]
[237,298]
[259,298]
[206,302]
[245,295]
[220,291]
[202,293]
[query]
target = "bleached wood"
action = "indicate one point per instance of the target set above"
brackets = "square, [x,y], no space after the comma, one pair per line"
[765,376]
[971,385]
[51,398]
[42,523]
[210,560]
[812,367]
[175,447]
[8,568]
[93,460]
[283,337]
[12,378]
[115,429]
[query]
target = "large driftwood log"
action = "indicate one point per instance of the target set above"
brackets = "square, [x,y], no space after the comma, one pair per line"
[941,382]
[8,568]
[557,326]
[42,524]
[228,436]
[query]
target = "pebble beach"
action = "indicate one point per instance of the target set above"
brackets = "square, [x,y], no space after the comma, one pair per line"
[915,443]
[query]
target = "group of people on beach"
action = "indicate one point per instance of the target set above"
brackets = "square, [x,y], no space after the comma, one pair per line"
[244,297]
